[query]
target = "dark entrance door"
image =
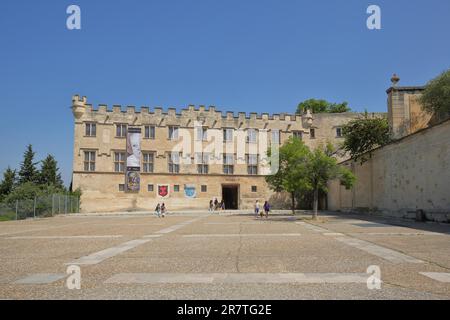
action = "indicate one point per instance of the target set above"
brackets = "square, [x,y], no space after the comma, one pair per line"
[230,196]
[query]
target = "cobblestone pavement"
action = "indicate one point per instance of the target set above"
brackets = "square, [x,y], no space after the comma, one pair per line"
[226,256]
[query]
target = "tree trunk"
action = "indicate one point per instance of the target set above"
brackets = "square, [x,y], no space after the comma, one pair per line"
[293,202]
[316,203]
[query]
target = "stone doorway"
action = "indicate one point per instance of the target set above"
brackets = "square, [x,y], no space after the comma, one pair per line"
[230,195]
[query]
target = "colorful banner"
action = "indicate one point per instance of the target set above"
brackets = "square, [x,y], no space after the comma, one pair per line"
[189,191]
[163,190]
[133,178]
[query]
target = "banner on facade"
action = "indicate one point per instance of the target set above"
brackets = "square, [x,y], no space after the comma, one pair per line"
[163,190]
[189,191]
[133,165]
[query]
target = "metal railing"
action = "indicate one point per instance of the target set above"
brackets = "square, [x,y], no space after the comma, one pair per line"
[40,207]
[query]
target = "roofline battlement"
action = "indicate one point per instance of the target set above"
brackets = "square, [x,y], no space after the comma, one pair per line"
[80,106]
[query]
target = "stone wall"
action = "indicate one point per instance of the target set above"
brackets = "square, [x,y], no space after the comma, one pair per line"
[403,177]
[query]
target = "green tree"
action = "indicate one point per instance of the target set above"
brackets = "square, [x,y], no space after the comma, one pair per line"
[322,168]
[8,182]
[363,135]
[28,172]
[291,175]
[436,96]
[49,174]
[322,106]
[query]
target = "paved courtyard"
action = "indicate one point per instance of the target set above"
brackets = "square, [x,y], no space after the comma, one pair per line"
[204,256]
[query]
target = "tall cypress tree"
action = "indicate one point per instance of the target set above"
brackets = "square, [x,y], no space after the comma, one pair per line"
[28,172]
[49,174]
[7,184]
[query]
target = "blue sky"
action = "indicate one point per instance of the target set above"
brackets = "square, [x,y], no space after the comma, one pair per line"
[252,55]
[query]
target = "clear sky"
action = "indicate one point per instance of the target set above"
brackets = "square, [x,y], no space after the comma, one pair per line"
[238,55]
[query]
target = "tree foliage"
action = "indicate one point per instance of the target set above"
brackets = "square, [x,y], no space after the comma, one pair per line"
[28,171]
[302,171]
[436,96]
[322,168]
[322,106]
[49,174]
[8,182]
[291,175]
[363,135]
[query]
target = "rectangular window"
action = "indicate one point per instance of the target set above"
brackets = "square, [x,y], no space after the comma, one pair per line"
[228,163]
[202,161]
[173,133]
[89,161]
[202,134]
[121,187]
[149,132]
[174,162]
[119,161]
[204,188]
[276,136]
[176,188]
[297,134]
[312,133]
[91,129]
[254,188]
[148,160]
[339,132]
[252,164]
[251,135]
[150,188]
[228,135]
[121,130]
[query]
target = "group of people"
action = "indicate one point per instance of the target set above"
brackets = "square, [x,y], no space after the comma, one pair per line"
[216,205]
[160,210]
[261,213]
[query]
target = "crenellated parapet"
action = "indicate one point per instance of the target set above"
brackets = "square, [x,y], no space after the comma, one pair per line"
[187,117]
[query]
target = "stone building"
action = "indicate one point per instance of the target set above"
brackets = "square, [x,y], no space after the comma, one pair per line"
[234,170]
[409,177]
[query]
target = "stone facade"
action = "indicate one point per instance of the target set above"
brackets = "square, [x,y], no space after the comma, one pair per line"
[411,175]
[96,133]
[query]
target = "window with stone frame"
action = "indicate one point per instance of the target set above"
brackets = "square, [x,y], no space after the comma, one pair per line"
[252,135]
[119,161]
[89,160]
[121,130]
[174,162]
[312,133]
[339,132]
[297,134]
[91,129]
[252,164]
[228,163]
[149,132]
[202,161]
[173,132]
[148,160]
[228,134]
[276,136]
[202,134]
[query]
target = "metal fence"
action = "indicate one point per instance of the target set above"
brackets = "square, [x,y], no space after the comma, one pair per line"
[40,207]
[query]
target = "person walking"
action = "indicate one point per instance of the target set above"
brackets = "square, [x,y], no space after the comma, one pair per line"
[158,210]
[163,210]
[266,209]
[257,208]
[222,205]
[216,204]
[211,205]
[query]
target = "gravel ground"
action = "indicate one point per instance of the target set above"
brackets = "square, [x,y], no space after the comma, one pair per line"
[226,244]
